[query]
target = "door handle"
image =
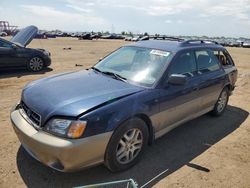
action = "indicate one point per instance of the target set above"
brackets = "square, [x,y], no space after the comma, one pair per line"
[195,88]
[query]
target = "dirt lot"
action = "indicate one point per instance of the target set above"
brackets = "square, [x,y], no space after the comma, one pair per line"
[205,152]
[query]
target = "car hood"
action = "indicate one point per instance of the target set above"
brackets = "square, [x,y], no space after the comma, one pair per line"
[72,94]
[25,36]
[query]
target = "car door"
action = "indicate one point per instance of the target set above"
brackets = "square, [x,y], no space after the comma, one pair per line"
[179,102]
[6,56]
[212,77]
[12,56]
[9,56]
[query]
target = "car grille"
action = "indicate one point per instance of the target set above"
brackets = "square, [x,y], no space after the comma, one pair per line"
[31,115]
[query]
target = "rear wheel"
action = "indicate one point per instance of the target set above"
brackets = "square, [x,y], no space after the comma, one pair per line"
[126,145]
[221,103]
[35,64]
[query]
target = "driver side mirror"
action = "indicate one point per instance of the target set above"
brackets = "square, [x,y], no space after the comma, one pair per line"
[177,79]
[14,46]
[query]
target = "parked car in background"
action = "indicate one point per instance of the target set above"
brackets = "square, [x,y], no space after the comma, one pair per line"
[14,53]
[135,38]
[234,44]
[112,36]
[144,38]
[112,111]
[89,36]
[246,44]
[3,34]
[128,38]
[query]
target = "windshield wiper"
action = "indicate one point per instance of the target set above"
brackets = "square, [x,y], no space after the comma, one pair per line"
[96,69]
[117,76]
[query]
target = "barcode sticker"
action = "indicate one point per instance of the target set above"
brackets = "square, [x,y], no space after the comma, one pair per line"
[160,53]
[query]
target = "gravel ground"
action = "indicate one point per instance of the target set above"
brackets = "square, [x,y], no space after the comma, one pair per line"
[205,152]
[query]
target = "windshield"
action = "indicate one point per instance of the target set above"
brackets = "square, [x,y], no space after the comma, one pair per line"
[141,65]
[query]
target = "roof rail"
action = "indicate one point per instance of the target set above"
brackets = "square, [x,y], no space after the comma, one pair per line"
[163,37]
[195,41]
[172,38]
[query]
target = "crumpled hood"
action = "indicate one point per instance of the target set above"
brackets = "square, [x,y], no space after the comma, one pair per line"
[71,94]
[25,36]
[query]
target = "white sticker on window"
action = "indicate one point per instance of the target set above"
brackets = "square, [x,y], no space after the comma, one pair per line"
[160,53]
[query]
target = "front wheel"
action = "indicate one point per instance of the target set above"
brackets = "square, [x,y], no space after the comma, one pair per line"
[35,64]
[126,145]
[221,103]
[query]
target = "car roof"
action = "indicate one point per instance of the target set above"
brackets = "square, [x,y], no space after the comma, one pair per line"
[175,46]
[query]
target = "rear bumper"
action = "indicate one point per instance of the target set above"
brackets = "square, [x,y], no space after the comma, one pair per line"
[58,153]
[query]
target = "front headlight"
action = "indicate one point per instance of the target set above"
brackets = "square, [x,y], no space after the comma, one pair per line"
[66,128]
[46,53]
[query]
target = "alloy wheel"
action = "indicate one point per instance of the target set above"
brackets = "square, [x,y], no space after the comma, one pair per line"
[129,146]
[222,101]
[36,64]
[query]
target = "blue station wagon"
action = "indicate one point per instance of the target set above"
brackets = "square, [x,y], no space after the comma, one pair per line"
[112,111]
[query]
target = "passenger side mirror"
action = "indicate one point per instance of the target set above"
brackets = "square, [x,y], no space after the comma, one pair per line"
[177,79]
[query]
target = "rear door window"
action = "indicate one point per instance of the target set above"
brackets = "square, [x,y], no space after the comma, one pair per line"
[184,64]
[206,61]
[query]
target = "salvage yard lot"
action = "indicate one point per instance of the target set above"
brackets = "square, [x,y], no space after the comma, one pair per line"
[205,152]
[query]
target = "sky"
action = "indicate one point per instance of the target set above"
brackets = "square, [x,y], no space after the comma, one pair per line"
[230,18]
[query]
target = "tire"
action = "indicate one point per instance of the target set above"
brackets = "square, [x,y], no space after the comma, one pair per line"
[126,145]
[221,103]
[35,64]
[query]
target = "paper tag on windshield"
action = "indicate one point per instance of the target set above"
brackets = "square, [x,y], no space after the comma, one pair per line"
[160,53]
